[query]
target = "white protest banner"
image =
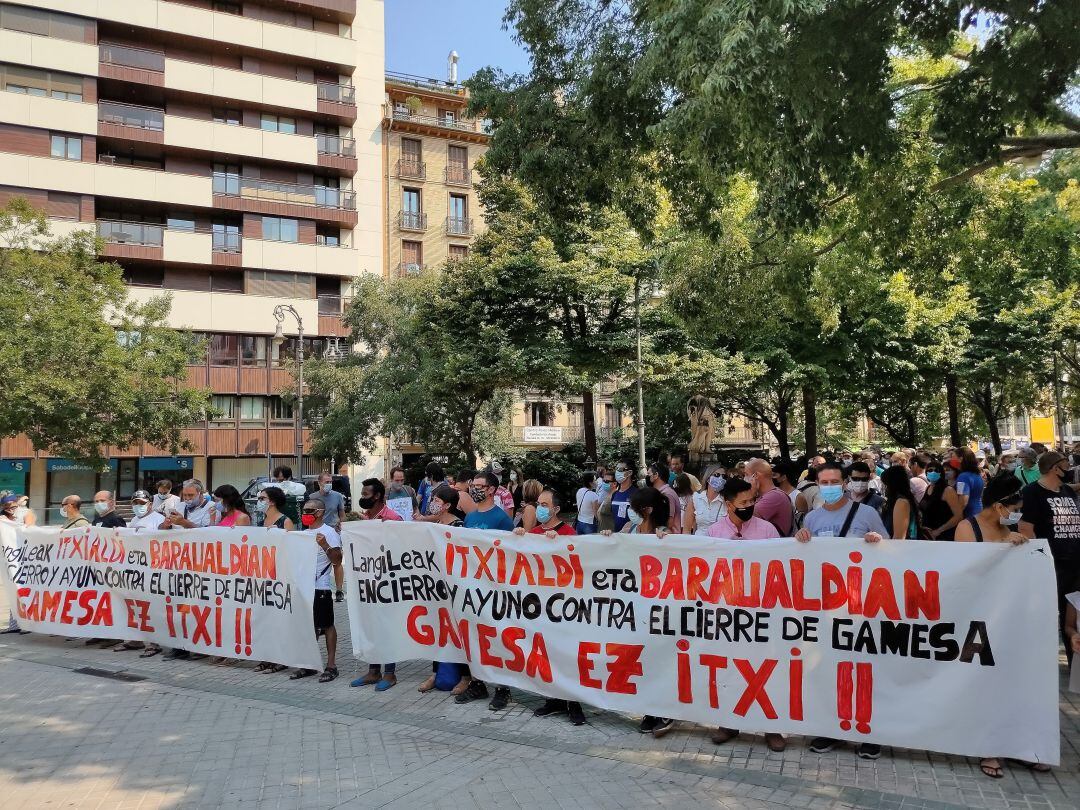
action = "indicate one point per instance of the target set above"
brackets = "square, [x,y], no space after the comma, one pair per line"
[1074,673]
[237,592]
[946,647]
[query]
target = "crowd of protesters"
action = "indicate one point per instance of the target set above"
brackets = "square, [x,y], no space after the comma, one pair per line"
[959,495]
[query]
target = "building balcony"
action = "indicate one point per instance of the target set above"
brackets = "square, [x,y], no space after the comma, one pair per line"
[412,221]
[445,123]
[332,310]
[412,169]
[146,240]
[330,260]
[456,226]
[43,112]
[457,176]
[131,233]
[126,56]
[335,145]
[411,269]
[251,188]
[224,312]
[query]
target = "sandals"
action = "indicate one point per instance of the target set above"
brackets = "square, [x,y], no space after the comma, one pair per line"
[1037,767]
[150,652]
[328,675]
[268,667]
[462,685]
[302,673]
[993,771]
[426,686]
[125,646]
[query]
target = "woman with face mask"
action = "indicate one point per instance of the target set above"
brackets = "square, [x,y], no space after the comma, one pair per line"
[230,507]
[940,506]
[707,505]
[996,523]
[530,493]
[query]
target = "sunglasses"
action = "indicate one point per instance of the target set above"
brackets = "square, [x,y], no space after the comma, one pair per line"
[312,512]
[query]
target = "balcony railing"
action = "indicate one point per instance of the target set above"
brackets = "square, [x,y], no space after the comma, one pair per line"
[411,168]
[443,121]
[412,221]
[131,233]
[411,268]
[337,93]
[335,145]
[292,193]
[127,56]
[131,115]
[456,226]
[458,175]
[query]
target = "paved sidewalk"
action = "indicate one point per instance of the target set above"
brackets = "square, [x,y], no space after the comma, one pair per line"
[190,734]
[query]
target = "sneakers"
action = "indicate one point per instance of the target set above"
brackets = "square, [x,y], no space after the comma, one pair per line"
[476,691]
[552,706]
[723,735]
[339,596]
[823,745]
[868,751]
[499,699]
[662,727]
[577,716]
[648,723]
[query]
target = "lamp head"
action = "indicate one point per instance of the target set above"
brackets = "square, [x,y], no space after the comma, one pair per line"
[279,336]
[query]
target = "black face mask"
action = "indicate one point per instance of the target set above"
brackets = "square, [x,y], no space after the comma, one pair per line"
[366,503]
[743,513]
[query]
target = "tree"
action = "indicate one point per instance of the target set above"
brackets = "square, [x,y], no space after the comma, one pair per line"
[801,96]
[84,368]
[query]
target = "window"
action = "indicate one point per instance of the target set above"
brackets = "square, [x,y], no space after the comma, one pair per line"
[44,23]
[226,237]
[279,229]
[412,256]
[227,178]
[612,417]
[144,276]
[224,350]
[227,116]
[278,123]
[178,223]
[448,117]
[410,200]
[540,414]
[280,410]
[327,192]
[252,409]
[225,406]
[252,350]
[459,251]
[457,164]
[128,340]
[196,348]
[280,285]
[575,414]
[68,147]
[227,281]
[226,7]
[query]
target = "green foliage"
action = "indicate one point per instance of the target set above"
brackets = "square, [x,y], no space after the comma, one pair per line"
[84,368]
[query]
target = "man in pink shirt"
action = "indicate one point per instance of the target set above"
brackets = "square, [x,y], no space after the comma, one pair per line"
[773,504]
[373,502]
[740,523]
[658,478]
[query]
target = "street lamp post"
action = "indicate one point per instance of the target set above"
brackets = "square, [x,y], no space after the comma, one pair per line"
[279,338]
[640,396]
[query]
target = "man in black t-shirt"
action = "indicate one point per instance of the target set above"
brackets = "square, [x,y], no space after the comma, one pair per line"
[1052,510]
[105,511]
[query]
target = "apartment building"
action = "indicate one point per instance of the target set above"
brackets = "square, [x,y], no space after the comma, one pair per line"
[229,153]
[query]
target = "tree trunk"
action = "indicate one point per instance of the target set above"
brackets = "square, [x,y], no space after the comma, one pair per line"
[781,433]
[954,410]
[985,403]
[910,420]
[809,401]
[588,406]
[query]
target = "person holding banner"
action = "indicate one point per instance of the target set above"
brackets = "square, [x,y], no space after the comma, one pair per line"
[71,516]
[739,521]
[229,507]
[144,516]
[707,505]
[328,553]
[271,505]
[840,517]
[194,511]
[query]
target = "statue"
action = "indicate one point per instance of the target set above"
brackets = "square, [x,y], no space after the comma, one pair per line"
[699,409]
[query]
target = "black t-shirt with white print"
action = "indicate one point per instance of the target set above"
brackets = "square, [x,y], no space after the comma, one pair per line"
[1055,516]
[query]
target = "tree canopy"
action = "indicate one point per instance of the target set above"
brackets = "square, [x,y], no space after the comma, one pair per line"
[84,368]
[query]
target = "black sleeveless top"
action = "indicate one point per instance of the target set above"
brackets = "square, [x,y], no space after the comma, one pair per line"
[975,528]
[935,514]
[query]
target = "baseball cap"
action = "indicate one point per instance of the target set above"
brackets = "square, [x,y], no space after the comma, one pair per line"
[140,495]
[8,499]
[1049,460]
[1027,452]
[496,467]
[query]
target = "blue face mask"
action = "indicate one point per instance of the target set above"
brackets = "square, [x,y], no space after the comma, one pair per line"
[620,476]
[543,514]
[832,492]
[716,483]
[933,477]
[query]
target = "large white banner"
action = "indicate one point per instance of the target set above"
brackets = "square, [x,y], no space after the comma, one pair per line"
[237,592]
[946,647]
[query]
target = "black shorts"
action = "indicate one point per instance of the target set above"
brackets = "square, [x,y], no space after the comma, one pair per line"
[323,610]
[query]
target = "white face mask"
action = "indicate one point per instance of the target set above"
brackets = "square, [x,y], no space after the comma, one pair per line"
[858,486]
[1011,520]
[326,488]
[101,507]
[633,517]
[140,509]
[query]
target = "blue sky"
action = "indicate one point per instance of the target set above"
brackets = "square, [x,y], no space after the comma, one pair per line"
[420,34]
